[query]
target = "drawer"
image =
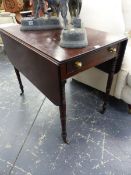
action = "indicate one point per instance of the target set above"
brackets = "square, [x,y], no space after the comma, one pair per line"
[91,59]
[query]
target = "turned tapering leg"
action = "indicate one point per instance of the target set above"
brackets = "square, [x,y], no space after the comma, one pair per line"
[62,109]
[108,86]
[19,80]
[129,108]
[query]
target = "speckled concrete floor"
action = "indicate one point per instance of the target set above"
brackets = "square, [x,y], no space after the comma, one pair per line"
[30,142]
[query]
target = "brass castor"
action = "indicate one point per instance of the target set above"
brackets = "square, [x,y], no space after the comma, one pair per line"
[64,137]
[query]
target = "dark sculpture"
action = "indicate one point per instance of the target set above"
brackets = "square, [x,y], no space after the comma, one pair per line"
[74,7]
[63,9]
[74,36]
[54,6]
[52,10]
[38,6]
[49,20]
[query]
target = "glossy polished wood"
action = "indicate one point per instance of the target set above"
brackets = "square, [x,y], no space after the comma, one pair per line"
[39,57]
[129,108]
[47,42]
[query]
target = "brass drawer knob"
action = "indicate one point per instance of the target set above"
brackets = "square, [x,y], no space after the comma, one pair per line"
[78,64]
[112,49]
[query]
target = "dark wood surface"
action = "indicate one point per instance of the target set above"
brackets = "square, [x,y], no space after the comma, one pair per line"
[39,57]
[42,73]
[47,42]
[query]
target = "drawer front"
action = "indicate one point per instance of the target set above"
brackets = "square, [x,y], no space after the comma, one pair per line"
[91,59]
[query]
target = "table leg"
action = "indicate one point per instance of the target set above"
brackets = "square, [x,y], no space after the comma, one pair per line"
[108,86]
[129,108]
[19,80]
[62,109]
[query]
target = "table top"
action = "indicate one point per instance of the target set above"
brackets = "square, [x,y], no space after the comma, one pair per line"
[47,42]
